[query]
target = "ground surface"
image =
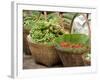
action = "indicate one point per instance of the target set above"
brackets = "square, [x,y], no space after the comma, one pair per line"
[29,63]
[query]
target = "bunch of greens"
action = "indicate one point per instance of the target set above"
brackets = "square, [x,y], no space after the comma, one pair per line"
[74,38]
[29,20]
[45,31]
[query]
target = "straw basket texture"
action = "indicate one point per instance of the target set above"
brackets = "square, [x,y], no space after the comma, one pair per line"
[70,59]
[44,54]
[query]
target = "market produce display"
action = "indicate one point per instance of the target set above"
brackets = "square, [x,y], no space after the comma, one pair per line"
[51,38]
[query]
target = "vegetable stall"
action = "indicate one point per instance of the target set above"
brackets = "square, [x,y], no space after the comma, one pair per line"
[50,40]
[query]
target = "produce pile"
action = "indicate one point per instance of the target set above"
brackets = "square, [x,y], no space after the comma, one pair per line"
[44,31]
[45,27]
[29,20]
[70,45]
[73,43]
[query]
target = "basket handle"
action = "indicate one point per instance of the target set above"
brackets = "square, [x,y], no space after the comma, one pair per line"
[72,22]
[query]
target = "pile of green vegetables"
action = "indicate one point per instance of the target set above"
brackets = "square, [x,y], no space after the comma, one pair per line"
[29,20]
[45,28]
[44,31]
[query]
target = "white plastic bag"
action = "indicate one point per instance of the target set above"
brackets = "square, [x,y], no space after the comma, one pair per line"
[80,25]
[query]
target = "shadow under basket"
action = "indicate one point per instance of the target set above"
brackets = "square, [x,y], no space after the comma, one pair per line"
[44,54]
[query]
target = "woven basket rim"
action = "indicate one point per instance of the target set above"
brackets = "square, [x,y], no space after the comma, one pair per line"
[39,44]
[72,50]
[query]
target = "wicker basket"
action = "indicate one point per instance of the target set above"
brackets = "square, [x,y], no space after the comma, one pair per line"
[25,42]
[70,59]
[44,54]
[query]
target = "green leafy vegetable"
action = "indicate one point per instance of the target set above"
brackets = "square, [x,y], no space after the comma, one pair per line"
[73,38]
[30,20]
[45,32]
[73,43]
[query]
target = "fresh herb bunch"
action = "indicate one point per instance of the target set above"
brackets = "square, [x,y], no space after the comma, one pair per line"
[29,20]
[45,31]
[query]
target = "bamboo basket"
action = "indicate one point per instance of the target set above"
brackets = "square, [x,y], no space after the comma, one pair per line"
[71,59]
[44,54]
